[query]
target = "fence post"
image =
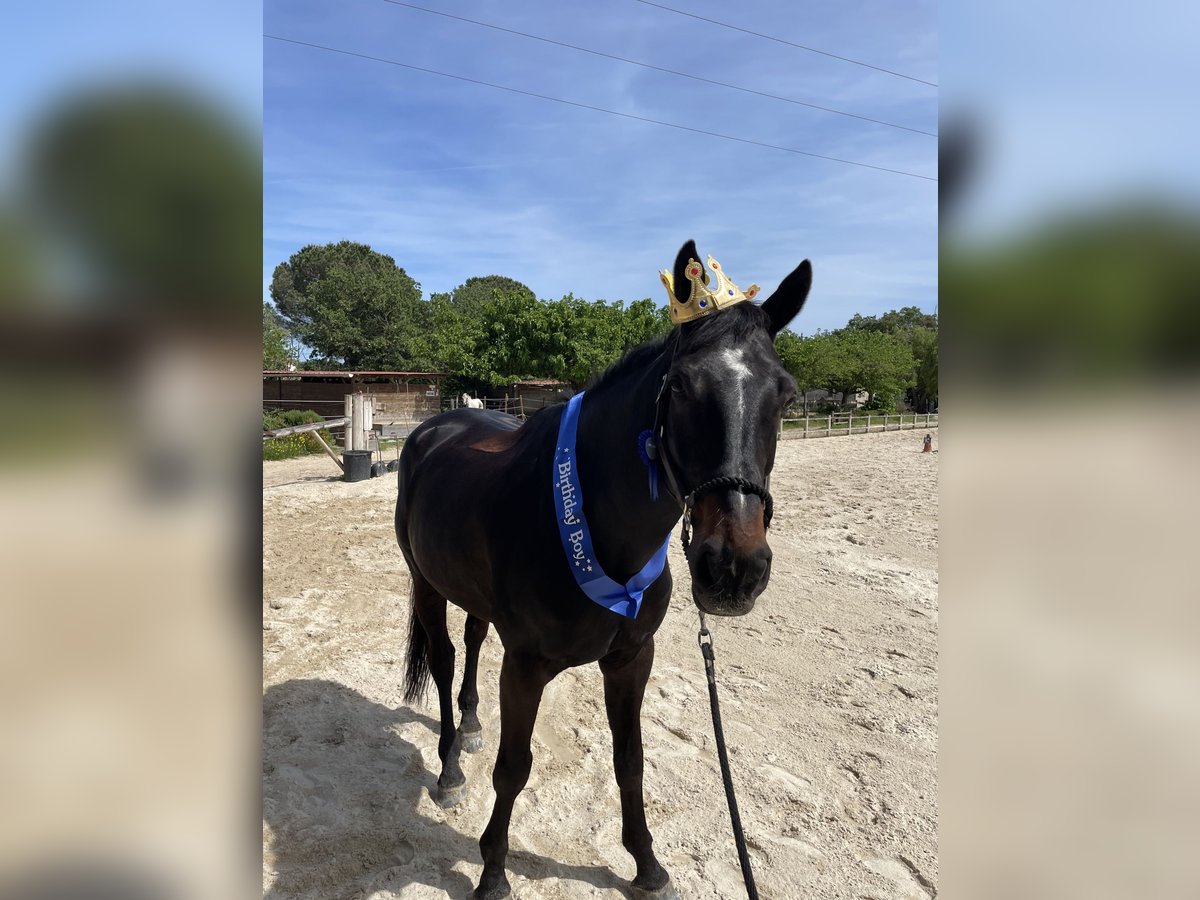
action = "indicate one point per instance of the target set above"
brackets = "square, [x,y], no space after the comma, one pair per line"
[829,425]
[806,425]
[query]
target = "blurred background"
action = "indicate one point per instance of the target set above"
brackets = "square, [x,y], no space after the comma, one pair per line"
[130,276]
[130,211]
[1070,250]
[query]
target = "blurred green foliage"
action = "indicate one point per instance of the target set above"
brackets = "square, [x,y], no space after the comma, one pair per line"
[153,195]
[1087,298]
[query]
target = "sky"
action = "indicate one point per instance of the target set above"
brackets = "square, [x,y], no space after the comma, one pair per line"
[213,48]
[454,179]
[1071,112]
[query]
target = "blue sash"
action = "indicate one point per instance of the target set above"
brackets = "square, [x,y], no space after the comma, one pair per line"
[625,599]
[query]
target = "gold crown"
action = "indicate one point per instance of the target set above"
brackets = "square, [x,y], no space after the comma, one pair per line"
[701,301]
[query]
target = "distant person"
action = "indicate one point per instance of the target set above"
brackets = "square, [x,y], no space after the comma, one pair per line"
[928,447]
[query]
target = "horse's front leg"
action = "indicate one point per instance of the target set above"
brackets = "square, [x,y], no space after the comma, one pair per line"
[625,680]
[522,680]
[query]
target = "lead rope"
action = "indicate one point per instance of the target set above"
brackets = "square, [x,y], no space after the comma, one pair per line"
[706,650]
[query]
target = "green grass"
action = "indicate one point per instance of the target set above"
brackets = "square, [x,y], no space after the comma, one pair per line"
[292,445]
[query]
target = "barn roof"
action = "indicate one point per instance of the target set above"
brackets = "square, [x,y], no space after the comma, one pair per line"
[302,373]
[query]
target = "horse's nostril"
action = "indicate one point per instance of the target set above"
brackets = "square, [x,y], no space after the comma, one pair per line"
[722,570]
[717,564]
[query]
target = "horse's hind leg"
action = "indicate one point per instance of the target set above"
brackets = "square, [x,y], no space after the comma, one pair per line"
[430,609]
[624,687]
[470,732]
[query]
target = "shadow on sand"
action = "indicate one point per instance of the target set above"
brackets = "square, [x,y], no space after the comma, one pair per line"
[342,793]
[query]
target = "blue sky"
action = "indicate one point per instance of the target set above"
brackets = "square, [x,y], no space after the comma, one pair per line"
[212,47]
[455,180]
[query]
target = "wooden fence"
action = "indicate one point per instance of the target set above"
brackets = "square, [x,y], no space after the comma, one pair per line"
[521,407]
[854,423]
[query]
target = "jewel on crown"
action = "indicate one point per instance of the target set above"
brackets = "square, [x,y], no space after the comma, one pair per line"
[701,300]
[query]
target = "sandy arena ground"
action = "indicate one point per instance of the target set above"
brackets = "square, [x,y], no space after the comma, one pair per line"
[828,689]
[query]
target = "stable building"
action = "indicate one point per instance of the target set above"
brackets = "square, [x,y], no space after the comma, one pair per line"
[399,396]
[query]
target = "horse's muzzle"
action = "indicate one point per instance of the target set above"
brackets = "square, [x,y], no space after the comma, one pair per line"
[726,582]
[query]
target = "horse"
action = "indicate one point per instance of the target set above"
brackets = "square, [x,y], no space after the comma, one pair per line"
[470,402]
[477,523]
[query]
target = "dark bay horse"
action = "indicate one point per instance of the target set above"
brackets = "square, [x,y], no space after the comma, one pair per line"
[477,523]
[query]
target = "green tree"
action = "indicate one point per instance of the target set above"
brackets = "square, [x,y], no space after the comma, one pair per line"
[515,336]
[896,321]
[155,194]
[642,321]
[872,361]
[472,296]
[511,342]
[354,307]
[920,330]
[277,349]
[925,351]
[848,361]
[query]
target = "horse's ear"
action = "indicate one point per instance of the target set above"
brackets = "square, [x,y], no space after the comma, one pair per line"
[783,305]
[683,287]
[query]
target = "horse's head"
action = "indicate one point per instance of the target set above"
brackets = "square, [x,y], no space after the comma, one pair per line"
[465,398]
[725,393]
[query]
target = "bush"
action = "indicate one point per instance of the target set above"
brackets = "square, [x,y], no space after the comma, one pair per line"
[293,444]
[881,403]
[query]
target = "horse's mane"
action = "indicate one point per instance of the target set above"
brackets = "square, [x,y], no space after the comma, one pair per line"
[732,324]
[632,360]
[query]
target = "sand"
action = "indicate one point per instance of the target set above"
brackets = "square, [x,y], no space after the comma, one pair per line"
[828,688]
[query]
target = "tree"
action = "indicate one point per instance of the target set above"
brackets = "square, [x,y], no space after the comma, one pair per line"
[643,321]
[354,307]
[896,321]
[475,294]
[155,194]
[510,341]
[514,336]
[277,350]
[811,361]
[848,361]
[920,330]
[878,363]
[925,351]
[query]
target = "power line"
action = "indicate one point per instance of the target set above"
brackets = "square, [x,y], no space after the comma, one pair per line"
[634,62]
[611,112]
[779,40]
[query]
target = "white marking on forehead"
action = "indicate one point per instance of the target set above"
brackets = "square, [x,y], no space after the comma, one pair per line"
[739,372]
[735,359]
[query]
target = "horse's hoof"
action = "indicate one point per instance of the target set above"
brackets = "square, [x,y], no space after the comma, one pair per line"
[493,892]
[447,797]
[472,741]
[666,892]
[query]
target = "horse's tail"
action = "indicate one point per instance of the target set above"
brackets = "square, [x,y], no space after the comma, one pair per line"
[416,675]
